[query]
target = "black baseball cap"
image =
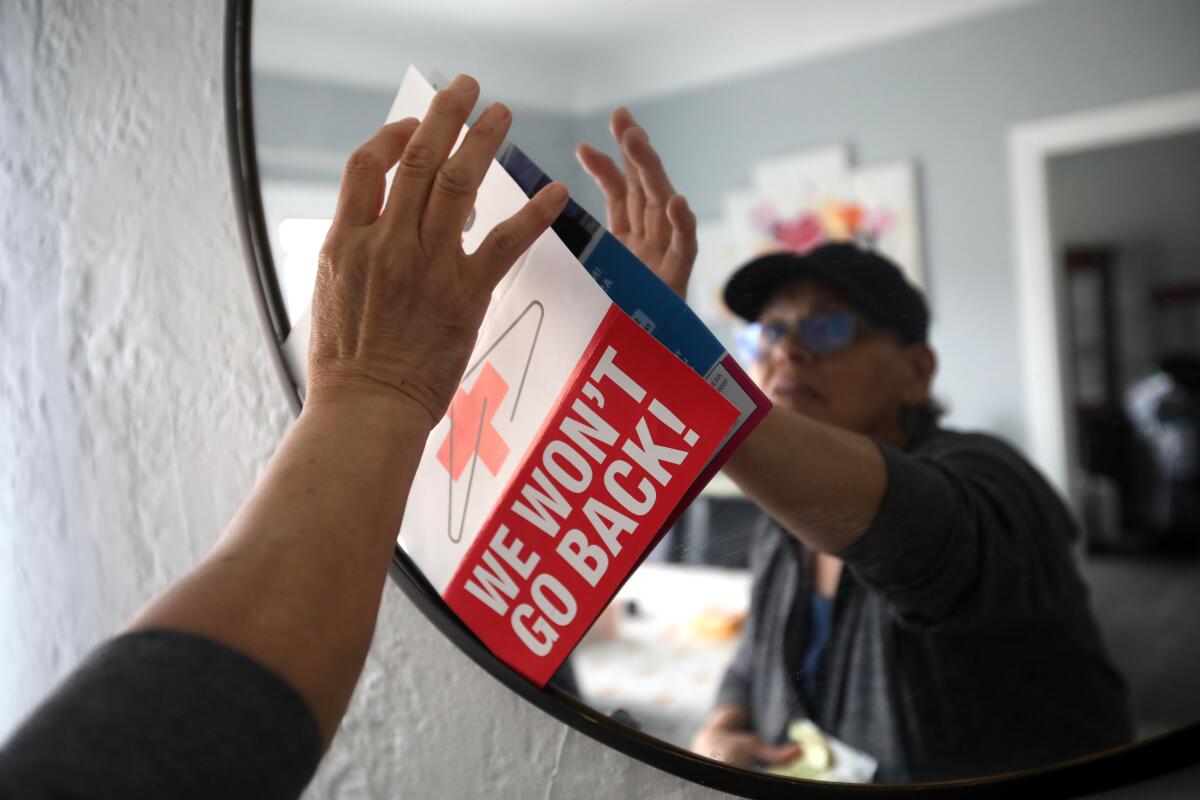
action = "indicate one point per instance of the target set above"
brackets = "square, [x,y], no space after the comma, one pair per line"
[872,283]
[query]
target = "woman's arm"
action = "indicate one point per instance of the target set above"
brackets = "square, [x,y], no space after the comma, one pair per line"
[296,579]
[823,484]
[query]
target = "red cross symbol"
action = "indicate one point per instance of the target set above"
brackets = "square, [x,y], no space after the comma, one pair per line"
[472,431]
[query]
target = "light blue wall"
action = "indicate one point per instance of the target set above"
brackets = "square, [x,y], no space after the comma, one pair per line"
[946,98]
[330,120]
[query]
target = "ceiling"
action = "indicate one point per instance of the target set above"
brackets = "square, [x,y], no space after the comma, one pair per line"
[570,56]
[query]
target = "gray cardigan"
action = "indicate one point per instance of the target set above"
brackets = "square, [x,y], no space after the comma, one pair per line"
[962,641]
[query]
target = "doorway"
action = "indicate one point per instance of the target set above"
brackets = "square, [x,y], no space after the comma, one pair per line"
[1050,437]
[1124,230]
[1110,302]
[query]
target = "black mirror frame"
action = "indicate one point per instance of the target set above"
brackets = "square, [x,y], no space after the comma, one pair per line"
[1122,766]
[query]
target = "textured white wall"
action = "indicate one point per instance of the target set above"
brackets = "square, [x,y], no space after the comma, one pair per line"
[136,403]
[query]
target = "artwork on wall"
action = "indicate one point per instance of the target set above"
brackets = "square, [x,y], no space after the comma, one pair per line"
[799,201]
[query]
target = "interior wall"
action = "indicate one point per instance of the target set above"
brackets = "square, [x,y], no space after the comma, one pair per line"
[947,99]
[137,405]
[296,144]
[1141,199]
[1134,194]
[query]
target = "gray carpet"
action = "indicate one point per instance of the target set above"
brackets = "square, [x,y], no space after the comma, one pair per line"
[1148,607]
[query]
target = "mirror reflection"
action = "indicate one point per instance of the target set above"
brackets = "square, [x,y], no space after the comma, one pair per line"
[990,281]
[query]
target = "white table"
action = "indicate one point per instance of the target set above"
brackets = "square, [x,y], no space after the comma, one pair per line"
[654,665]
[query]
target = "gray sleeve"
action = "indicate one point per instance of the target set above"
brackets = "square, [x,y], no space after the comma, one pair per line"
[159,714]
[735,686]
[966,527]
[734,689]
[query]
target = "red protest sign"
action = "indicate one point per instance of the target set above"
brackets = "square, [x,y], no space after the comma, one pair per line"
[630,433]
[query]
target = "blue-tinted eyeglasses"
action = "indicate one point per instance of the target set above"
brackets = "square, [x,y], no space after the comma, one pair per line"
[820,335]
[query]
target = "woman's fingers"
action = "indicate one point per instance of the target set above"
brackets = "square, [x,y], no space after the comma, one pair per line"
[398,304]
[428,149]
[644,211]
[456,181]
[655,183]
[610,180]
[655,190]
[508,240]
[635,200]
[677,262]
[361,195]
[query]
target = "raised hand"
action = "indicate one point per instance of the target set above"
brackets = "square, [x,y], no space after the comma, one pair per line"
[644,211]
[398,303]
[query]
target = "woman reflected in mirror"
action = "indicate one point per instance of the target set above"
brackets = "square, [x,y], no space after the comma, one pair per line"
[914,591]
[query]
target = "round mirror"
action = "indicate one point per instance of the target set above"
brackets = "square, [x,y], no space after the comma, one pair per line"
[1033,166]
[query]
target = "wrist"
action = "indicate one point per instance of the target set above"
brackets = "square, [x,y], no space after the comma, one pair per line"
[377,415]
[400,391]
[367,446]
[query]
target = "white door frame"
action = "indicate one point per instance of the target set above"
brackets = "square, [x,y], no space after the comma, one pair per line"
[1040,303]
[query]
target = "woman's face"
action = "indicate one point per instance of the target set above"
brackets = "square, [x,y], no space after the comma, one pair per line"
[861,388]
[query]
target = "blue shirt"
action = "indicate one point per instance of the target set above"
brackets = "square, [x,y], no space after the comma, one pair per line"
[820,619]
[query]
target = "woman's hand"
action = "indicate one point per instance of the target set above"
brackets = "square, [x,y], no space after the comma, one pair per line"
[725,738]
[644,211]
[398,303]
